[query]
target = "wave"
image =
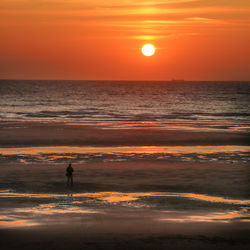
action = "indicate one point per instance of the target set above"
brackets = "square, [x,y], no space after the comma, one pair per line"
[102,115]
[125,101]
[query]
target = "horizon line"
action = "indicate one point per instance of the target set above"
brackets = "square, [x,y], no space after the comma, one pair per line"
[121,80]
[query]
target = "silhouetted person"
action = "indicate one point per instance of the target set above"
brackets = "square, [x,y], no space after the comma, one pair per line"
[69,174]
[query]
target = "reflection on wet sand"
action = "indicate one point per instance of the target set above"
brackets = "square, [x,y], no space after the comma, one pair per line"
[74,206]
[116,197]
[49,214]
[82,154]
[223,217]
[14,221]
[117,150]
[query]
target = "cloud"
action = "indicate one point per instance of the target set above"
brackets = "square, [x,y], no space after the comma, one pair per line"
[156,16]
[205,20]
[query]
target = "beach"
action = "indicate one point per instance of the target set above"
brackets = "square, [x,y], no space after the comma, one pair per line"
[123,205]
[126,195]
[145,176]
[129,233]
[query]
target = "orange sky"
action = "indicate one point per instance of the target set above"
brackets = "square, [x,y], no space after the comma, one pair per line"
[101,39]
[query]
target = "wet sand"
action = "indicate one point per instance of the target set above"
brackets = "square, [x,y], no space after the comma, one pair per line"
[122,205]
[105,209]
[222,179]
[130,234]
[59,133]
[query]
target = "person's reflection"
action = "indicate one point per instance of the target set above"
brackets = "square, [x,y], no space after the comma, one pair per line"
[70,195]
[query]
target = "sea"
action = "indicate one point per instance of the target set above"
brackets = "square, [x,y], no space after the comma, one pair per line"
[126,101]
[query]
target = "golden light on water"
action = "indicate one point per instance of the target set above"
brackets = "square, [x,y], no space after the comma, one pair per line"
[148,49]
[122,149]
[73,207]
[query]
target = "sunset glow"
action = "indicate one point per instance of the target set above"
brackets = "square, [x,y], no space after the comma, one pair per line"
[124,124]
[99,39]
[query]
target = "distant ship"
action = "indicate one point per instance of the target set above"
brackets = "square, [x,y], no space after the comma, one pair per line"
[177,80]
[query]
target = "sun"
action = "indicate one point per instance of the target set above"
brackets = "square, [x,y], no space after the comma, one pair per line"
[148,49]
